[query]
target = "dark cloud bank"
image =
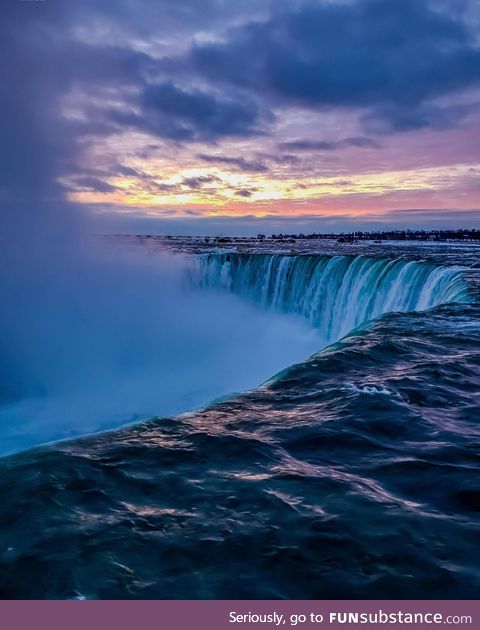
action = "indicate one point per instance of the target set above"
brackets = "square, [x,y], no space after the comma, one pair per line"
[391,56]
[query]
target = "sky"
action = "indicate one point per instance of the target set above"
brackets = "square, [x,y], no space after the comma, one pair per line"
[220,116]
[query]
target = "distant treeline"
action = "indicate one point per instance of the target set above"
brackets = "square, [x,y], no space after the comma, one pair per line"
[388,235]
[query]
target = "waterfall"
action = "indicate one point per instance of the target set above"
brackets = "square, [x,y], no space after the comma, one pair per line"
[334,293]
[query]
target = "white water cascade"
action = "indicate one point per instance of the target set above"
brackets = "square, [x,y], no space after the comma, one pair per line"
[334,293]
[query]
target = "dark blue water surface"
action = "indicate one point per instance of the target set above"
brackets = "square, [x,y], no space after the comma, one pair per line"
[354,474]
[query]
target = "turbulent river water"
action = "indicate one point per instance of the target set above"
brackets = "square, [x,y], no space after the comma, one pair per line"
[352,474]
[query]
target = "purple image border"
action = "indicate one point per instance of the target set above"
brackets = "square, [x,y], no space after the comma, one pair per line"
[215,614]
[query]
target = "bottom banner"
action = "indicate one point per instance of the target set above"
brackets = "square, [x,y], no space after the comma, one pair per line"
[237,614]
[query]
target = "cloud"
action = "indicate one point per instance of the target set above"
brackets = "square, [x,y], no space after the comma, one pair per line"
[389,56]
[390,117]
[321,145]
[42,64]
[182,114]
[52,63]
[244,192]
[194,183]
[94,183]
[78,72]
[128,171]
[248,166]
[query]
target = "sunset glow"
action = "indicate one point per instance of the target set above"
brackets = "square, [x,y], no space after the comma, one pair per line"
[362,109]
